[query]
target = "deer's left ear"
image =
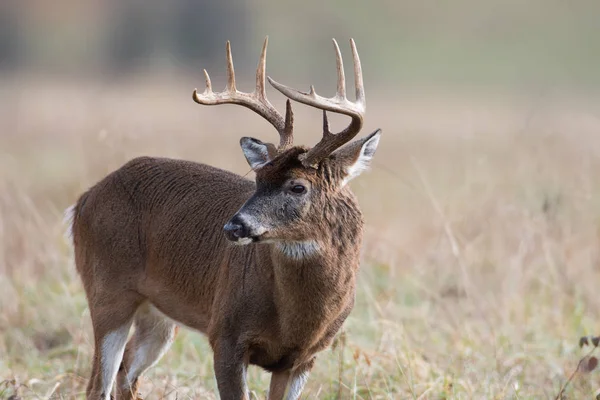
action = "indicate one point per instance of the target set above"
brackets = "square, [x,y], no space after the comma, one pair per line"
[257,153]
[355,157]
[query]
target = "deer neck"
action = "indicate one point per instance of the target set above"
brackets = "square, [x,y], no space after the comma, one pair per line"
[302,266]
[314,279]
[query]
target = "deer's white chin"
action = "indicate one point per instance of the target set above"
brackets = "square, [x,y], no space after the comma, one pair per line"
[243,241]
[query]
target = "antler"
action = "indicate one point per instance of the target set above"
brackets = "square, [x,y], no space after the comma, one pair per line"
[338,104]
[256,101]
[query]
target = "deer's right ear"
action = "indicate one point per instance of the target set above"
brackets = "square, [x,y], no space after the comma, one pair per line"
[256,152]
[356,157]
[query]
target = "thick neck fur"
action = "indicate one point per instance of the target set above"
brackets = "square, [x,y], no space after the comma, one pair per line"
[315,278]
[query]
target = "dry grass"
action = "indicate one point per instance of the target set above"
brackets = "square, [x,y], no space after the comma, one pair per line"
[481,259]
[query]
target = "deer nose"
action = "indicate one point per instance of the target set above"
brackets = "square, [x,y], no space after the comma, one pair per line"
[235,230]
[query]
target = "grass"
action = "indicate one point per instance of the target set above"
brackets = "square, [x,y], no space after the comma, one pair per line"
[480,264]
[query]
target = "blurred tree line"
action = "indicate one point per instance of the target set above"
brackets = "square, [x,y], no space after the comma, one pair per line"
[115,36]
[464,42]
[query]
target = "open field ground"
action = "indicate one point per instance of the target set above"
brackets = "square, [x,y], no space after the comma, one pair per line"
[481,261]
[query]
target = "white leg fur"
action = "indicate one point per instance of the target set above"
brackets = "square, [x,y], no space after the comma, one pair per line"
[296,386]
[113,347]
[154,335]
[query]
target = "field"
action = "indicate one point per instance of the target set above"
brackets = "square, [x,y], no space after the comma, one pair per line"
[481,261]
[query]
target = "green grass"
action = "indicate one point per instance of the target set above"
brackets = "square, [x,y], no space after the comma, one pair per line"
[480,259]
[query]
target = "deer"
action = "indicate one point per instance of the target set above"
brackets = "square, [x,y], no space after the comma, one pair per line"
[266,269]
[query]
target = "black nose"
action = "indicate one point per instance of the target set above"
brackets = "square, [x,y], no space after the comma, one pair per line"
[235,229]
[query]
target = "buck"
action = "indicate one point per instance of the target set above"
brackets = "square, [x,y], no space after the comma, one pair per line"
[154,245]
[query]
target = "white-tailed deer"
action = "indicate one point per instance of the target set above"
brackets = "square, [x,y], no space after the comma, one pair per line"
[151,251]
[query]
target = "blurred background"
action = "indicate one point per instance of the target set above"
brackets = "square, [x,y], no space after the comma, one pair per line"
[480,261]
[462,43]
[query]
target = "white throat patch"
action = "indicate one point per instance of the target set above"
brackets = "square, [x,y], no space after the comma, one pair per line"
[298,250]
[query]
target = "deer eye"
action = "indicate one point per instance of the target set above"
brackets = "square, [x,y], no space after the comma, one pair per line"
[298,189]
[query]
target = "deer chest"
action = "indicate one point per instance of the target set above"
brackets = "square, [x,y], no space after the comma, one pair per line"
[273,360]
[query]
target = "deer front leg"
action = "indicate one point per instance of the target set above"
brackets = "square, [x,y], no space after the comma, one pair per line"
[230,370]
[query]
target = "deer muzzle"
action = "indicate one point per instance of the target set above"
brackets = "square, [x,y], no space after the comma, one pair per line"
[235,229]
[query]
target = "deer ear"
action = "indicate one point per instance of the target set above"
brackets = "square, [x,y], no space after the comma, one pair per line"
[355,157]
[257,153]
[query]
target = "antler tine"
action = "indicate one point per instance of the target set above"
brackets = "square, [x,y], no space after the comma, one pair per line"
[341,82]
[208,83]
[256,101]
[260,70]
[358,76]
[338,104]
[326,131]
[230,71]
[286,139]
[286,136]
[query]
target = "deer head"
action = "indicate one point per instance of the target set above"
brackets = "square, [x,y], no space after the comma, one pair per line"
[296,188]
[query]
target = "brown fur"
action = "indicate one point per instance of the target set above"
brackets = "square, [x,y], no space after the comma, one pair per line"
[152,233]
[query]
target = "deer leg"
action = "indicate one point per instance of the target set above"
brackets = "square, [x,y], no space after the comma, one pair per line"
[278,386]
[112,315]
[296,380]
[230,371]
[153,336]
